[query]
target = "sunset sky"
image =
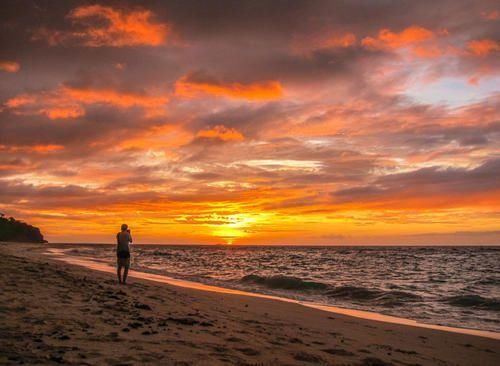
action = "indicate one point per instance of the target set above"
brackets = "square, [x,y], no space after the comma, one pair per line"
[252,122]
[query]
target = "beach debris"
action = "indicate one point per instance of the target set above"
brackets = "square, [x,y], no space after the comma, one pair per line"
[234,339]
[307,357]
[135,325]
[338,352]
[183,321]
[139,305]
[56,358]
[188,321]
[405,351]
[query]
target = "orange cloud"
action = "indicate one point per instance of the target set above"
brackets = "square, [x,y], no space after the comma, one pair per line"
[9,66]
[481,72]
[158,137]
[64,112]
[306,44]
[68,102]
[346,40]
[427,51]
[190,86]
[41,149]
[387,39]
[222,133]
[492,15]
[483,47]
[107,26]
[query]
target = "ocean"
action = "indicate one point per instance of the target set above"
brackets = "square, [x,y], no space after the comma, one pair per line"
[452,286]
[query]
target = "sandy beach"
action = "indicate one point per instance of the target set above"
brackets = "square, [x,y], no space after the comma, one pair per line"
[57,313]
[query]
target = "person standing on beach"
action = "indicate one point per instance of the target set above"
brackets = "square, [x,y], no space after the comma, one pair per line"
[123,239]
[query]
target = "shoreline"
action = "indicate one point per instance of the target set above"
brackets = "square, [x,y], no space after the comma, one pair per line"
[59,313]
[87,262]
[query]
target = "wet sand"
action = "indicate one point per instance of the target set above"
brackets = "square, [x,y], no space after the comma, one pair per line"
[56,313]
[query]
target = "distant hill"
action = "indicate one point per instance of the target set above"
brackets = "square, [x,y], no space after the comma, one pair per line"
[14,230]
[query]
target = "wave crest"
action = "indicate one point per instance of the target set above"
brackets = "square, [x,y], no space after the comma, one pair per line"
[284,282]
[474,301]
[373,296]
[376,296]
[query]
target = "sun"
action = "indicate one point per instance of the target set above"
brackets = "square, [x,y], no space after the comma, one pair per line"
[236,226]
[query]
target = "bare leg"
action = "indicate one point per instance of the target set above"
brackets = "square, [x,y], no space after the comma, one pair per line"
[125,274]
[118,272]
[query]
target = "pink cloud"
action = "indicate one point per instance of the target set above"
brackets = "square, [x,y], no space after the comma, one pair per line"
[221,132]
[106,26]
[491,15]
[483,47]
[304,44]
[68,102]
[9,66]
[386,39]
[193,86]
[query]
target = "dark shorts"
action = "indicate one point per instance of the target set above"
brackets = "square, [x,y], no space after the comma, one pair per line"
[123,254]
[123,259]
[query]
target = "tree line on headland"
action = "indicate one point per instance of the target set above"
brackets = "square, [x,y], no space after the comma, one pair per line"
[15,230]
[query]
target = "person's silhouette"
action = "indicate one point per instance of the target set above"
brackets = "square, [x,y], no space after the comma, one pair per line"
[123,239]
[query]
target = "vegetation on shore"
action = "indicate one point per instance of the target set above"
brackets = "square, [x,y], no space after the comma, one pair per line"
[15,230]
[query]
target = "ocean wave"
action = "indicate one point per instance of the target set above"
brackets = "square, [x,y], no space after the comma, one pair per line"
[81,252]
[489,281]
[161,253]
[284,282]
[474,301]
[375,296]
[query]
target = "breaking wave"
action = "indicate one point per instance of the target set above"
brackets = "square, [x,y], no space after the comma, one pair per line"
[380,297]
[284,282]
[362,294]
[474,301]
